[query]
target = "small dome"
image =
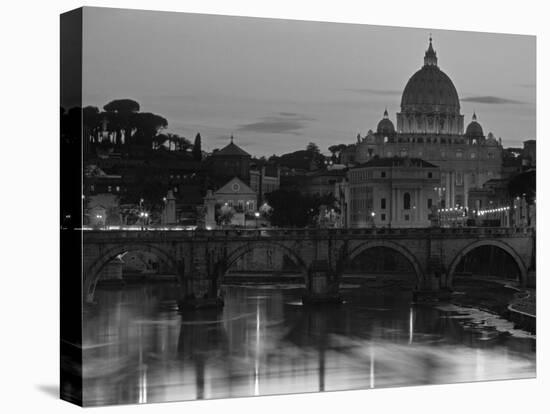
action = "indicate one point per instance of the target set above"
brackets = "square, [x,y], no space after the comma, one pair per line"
[385,126]
[491,139]
[474,129]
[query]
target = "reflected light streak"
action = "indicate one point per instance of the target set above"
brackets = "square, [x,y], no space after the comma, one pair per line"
[142,398]
[257,356]
[480,369]
[411,326]
[371,366]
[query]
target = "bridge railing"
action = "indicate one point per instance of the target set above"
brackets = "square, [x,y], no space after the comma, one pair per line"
[300,233]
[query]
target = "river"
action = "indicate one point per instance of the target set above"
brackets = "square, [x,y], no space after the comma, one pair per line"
[139,349]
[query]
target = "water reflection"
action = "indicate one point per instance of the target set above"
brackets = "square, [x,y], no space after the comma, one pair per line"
[138,348]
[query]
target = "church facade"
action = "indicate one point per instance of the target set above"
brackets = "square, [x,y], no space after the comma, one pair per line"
[430,127]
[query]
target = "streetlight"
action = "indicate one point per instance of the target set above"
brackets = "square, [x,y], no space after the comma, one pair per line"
[257,215]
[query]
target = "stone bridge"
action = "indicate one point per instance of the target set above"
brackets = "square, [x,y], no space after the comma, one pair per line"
[200,258]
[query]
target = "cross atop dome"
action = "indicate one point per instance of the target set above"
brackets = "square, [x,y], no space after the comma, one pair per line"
[386,113]
[430,58]
[474,116]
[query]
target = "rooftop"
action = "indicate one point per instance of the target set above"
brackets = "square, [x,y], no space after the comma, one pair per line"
[231,149]
[396,162]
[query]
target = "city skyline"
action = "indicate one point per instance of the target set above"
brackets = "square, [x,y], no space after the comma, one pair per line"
[293,82]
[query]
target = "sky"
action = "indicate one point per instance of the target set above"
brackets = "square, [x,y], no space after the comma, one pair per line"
[277,85]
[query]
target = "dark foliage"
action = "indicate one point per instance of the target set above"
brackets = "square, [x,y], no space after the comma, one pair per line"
[291,208]
[524,183]
[197,148]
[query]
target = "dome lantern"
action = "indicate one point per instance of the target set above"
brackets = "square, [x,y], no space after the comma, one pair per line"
[430,58]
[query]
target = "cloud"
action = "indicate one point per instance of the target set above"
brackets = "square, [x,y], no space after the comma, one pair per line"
[490,100]
[283,123]
[383,92]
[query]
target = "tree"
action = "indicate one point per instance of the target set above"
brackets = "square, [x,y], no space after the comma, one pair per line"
[524,184]
[313,148]
[182,143]
[336,151]
[225,214]
[294,209]
[147,127]
[197,150]
[91,119]
[159,140]
[120,116]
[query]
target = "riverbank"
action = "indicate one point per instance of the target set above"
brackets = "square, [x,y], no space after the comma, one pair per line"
[498,297]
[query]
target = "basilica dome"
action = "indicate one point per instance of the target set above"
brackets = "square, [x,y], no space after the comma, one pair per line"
[430,90]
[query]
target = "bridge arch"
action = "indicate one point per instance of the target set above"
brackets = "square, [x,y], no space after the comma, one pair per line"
[396,247]
[240,251]
[92,273]
[497,243]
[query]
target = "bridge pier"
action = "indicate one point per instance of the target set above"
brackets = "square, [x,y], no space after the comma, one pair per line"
[321,284]
[199,289]
[433,285]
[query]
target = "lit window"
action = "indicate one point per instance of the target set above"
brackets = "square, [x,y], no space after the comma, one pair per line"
[473,155]
[109,188]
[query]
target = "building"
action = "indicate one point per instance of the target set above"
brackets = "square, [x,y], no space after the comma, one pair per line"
[493,194]
[231,161]
[392,192]
[265,180]
[530,153]
[322,182]
[431,127]
[236,198]
[97,181]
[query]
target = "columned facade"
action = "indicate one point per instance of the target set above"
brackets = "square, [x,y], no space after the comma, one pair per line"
[392,192]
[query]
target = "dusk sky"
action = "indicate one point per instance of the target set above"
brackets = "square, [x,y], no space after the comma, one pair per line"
[278,84]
